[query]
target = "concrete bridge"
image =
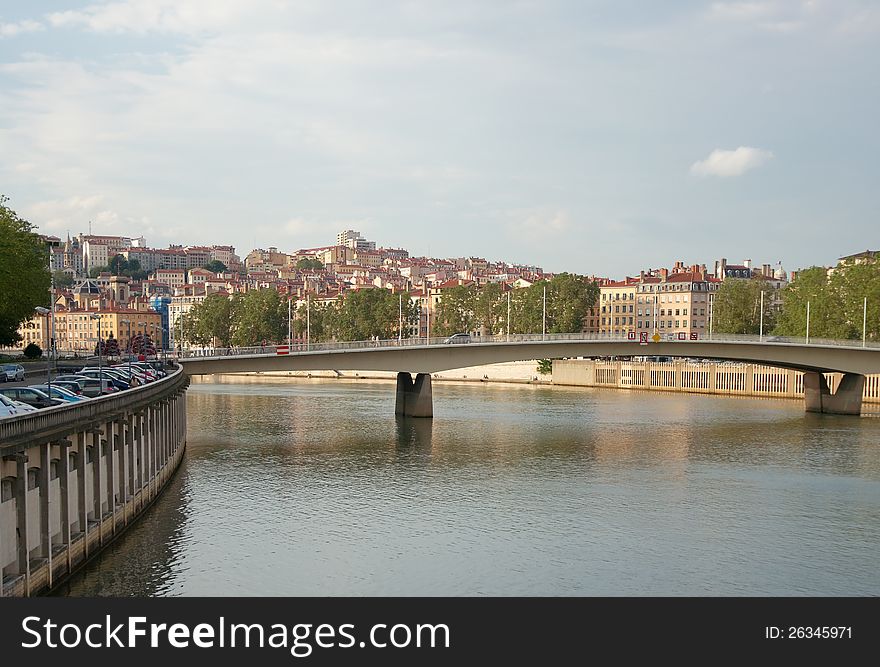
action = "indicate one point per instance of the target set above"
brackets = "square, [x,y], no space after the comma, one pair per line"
[74,477]
[423,357]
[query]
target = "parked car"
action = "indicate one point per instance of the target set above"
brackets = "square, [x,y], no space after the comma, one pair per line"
[91,387]
[59,392]
[11,373]
[24,407]
[71,385]
[458,338]
[113,377]
[33,397]
[7,407]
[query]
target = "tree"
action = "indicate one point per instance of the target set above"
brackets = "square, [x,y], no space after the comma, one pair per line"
[62,279]
[490,308]
[455,311]
[33,351]
[736,308]
[258,317]
[307,263]
[837,302]
[24,273]
[215,266]
[212,321]
[545,366]
[363,314]
[569,299]
[316,318]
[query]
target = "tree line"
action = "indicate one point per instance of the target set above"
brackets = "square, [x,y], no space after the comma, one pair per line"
[466,308]
[262,315]
[836,299]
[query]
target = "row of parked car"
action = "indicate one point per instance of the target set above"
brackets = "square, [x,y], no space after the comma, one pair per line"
[87,383]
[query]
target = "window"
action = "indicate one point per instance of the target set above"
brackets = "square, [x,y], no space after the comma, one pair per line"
[33,478]
[7,489]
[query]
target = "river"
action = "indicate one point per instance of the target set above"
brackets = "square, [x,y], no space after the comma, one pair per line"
[312,487]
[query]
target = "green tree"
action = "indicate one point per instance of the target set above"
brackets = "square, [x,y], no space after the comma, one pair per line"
[308,263]
[736,308]
[315,317]
[456,311]
[213,321]
[490,308]
[545,366]
[363,314]
[62,279]
[33,351]
[215,266]
[258,318]
[569,299]
[24,273]
[811,285]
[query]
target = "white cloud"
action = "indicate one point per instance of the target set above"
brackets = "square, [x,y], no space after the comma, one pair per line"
[536,225]
[731,163]
[13,29]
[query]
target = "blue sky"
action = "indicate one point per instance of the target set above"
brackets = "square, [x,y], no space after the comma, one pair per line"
[598,137]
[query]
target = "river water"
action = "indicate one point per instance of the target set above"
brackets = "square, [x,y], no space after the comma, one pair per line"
[312,487]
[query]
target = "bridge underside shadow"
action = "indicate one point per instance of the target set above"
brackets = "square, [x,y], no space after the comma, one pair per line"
[847,400]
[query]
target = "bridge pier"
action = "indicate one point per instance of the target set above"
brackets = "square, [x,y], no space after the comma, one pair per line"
[414,399]
[847,400]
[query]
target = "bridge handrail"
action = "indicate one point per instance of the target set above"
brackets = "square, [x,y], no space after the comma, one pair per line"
[50,423]
[342,346]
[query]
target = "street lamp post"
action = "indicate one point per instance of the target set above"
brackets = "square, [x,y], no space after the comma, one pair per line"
[865,323]
[544,316]
[808,323]
[130,376]
[95,316]
[45,311]
[761,334]
[400,318]
[508,317]
[308,321]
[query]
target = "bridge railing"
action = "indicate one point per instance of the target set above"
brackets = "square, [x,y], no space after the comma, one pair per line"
[341,346]
[46,423]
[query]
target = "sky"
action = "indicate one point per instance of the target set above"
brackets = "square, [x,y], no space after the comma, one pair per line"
[598,137]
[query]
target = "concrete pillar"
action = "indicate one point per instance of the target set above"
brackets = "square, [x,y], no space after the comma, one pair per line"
[110,461]
[64,490]
[24,547]
[45,506]
[81,497]
[122,467]
[131,457]
[847,400]
[97,486]
[414,399]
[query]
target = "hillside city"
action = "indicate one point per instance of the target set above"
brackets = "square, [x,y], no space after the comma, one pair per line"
[142,292]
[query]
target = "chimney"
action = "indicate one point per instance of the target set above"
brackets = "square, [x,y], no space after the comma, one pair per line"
[766,271]
[747,263]
[664,274]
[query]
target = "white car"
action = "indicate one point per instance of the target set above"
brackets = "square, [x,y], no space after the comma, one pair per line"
[24,407]
[11,372]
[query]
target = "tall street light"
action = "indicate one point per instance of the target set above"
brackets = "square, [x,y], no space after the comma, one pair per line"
[95,316]
[130,376]
[45,311]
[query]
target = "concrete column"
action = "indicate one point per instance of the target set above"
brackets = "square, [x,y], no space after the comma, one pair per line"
[847,400]
[64,489]
[97,486]
[82,506]
[122,469]
[45,506]
[414,399]
[24,547]
[111,474]
[130,455]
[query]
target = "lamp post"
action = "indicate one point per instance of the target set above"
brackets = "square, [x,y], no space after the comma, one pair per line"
[308,321]
[865,323]
[544,316]
[808,323]
[95,316]
[761,334]
[45,311]
[130,376]
[289,339]
[400,319]
[508,316]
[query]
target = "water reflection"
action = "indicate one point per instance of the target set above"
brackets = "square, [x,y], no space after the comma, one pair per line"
[312,487]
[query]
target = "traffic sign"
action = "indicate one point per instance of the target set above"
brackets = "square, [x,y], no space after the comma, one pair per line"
[282,349]
[656,338]
[643,338]
[631,335]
